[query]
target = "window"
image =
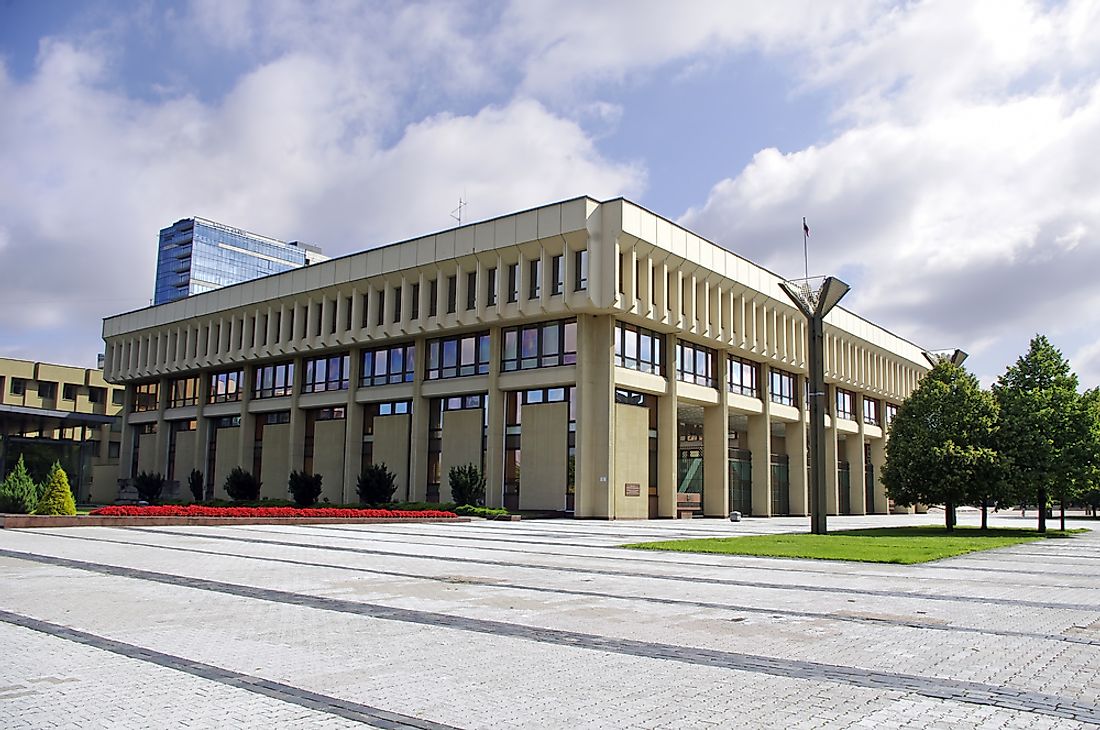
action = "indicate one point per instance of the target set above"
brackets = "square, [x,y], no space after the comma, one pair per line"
[97,395]
[870,411]
[114,448]
[274,381]
[18,386]
[336,413]
[388,365]
[456,357]
[380,315]
[891,413]
[845,404]
[580,270]
[535,284]
[415,314]
[452,294]
[557,285]
[397,304]
[326,373]
[145,397]
[695,364]
[742,376]
[226,387]
[490,287]
[542,345]
[471,290]
[274,419]
[513,283]
[183,392]
[47,390]
[68,391]
[782,387]
[433,298]
[637,348]
[118,396]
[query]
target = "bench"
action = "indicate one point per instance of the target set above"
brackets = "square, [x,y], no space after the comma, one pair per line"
[687,504]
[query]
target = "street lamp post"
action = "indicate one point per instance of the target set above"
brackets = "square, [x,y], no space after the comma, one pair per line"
[815,305]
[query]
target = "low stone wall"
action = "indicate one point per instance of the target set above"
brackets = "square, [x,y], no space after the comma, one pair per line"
[32,521]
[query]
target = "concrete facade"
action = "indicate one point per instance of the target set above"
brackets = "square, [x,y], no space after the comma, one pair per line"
[666,354]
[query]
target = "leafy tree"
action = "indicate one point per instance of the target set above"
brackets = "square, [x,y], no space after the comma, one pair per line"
[305,488]
[467,485]
[18,492]
[1044,429]
[1088,491]
[376,484]
[149,486]
[242,486]
[940,447]
[58,497]
[195,485]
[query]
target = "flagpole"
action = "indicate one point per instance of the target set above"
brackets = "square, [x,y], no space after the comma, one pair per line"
[806,246]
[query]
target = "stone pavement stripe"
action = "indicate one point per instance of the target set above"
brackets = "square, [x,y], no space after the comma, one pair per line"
[654,576]
[633,559]
[874,620]
[936,687]
[276,690]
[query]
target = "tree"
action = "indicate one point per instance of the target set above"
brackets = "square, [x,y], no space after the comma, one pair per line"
[376,484]
[1044,429]
[195,484]
[1088,491]
[242,486]
[467,485]
[149,486]
[940,448]
[58,497]
[305,488]
[18,492]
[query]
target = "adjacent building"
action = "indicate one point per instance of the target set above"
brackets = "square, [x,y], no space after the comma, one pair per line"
[61,413]
[591,356]
[196,255]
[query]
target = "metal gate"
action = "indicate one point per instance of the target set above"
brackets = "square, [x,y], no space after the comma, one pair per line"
[869,487]
[781,484]
[741,481]
[844,487]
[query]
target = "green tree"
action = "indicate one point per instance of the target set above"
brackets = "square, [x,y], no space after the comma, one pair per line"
[305,488]
[1044,429]
[376,484]
[467,485]
[242,486]
[1088,491]
[940,448]
[18,492]
[58,497]
[196,485]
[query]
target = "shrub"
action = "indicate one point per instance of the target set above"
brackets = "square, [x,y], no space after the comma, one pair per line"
[467,485]
[242,486]
[58,497]
[149,486]
[466,510]
[305,488]
[195,485]
[18,492]
[376,484]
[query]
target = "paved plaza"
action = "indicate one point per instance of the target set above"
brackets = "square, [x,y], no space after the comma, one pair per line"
[536,624]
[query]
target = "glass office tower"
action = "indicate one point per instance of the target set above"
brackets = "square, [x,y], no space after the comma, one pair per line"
[196,255]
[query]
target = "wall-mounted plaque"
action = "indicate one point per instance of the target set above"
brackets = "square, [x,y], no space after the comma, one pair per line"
[633,490]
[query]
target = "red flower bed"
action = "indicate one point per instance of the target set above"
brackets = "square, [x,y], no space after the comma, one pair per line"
[195,510]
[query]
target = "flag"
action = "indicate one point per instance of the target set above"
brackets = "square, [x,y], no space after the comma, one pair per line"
[805,228]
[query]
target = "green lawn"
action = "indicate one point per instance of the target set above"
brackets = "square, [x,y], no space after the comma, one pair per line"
[902,545]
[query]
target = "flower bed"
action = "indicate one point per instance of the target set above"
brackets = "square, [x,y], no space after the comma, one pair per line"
[195,510]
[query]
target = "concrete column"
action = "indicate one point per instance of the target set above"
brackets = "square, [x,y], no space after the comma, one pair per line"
[595,421]
[716,468]
[247,441]
[878,458]
[760,444]
[798,456]
[126,444]
[353,429]
[494,439]
[202,427]
[857,463]
[162,427]
[668,437]
[418,439]
[832,461]
[297,430]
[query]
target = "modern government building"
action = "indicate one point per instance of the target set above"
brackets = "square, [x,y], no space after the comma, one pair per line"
[592,357]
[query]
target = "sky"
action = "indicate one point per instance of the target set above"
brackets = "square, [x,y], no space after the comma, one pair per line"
[944,153]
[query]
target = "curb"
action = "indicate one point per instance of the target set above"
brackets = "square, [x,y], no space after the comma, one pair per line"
[9,522]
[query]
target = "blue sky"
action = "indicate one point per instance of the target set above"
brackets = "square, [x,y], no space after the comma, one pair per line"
[942,151]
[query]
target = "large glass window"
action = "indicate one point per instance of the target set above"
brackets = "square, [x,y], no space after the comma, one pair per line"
[534,284]
[742,376]
[637,348]
[542,345]
[695,364]
[274,381]
[471,291]
[845,404]
[490,287]
[393,364]
[557,282]
[145,397]
[870,411]
[456,357]
[513,283]
[326,373]
[452,293]
[226,387]
[782,386]
[183,392]
[891,413]
[580,270]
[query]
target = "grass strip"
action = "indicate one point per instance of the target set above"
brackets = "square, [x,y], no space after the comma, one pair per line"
[898,545]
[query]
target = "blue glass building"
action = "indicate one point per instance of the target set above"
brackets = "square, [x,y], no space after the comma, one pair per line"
[196,255]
